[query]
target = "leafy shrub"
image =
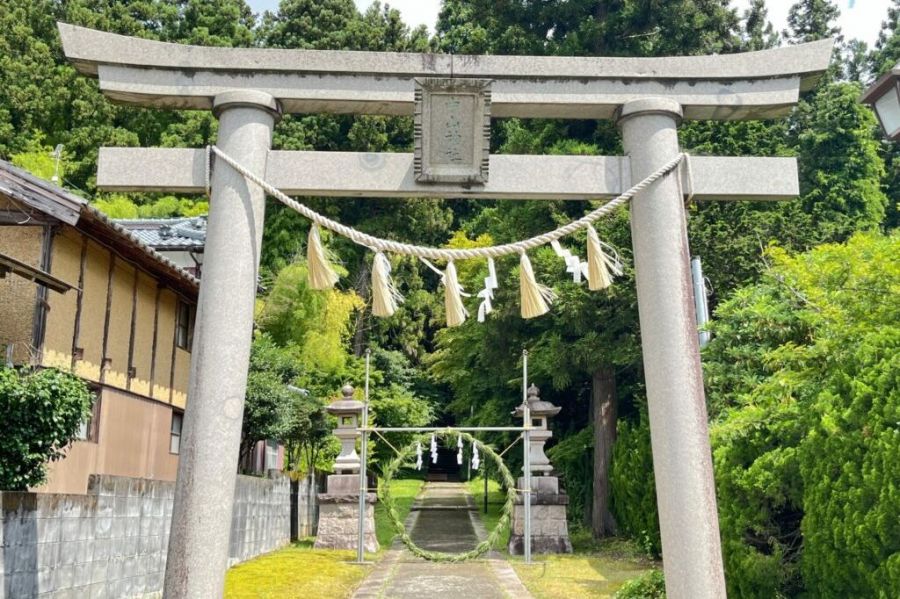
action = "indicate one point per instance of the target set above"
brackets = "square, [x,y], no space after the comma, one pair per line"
[808,433]
[42,412]
[651,585]
[633,494]
[573,456]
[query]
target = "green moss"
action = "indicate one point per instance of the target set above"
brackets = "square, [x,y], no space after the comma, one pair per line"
[295,571]
[404,492]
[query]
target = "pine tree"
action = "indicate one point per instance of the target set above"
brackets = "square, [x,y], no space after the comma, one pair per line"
[759,33]
[886,53]
[811,20]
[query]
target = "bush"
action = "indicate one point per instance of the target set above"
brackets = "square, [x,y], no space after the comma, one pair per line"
[634,496]
[651,585]
[806,443]
[42,412]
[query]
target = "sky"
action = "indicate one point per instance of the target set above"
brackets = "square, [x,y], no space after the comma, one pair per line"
[860,19]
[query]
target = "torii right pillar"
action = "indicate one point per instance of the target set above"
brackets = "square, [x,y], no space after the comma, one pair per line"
[682,459]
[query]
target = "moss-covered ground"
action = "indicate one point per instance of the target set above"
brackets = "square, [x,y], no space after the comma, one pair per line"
[303,572]
[595,570]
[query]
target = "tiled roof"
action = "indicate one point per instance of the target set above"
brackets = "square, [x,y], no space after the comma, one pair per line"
[183,233]
[53,200]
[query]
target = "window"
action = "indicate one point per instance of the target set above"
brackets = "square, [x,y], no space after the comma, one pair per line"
[184,326]
[271,454]
[175,432]
[90,426]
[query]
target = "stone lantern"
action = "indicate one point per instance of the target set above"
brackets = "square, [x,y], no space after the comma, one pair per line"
[541,412]
[348,412]
[339,505]
[549,530]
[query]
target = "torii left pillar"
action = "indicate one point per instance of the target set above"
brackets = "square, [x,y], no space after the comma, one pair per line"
[204,491]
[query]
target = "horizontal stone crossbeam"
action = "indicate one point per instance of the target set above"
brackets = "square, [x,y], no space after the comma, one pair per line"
[358,174]
[750,85]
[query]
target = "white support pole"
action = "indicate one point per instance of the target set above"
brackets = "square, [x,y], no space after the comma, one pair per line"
[363,483]
[207,466]
[526,421]
[682,460]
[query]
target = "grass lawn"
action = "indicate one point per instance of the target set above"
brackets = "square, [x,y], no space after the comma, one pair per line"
[404,492]
[595,570]
[303,572]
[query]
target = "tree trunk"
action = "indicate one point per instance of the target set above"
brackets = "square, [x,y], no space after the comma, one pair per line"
[603,404]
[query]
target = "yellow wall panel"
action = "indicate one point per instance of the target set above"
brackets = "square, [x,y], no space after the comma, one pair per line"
[18,295]
[143,334]
[65,264]
[182,376]
[93,311]
[119,336]
[165,338]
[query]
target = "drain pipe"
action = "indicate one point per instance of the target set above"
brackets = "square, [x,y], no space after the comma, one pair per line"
[700,305]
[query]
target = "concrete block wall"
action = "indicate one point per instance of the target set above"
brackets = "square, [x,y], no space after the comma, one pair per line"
[112,542]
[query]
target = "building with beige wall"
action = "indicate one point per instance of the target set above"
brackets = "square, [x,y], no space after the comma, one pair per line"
[125,325]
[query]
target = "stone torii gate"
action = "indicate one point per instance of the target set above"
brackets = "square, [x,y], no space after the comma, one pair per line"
[248,89]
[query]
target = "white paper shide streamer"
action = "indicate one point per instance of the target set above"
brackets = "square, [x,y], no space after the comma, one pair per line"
[434,451]
[476,459]
[459,452]
[418,456]
[487,294]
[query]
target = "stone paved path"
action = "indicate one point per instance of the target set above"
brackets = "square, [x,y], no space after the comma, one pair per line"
[442,521]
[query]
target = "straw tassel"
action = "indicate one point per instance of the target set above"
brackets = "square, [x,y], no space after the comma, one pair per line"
[318,262]
[456,311]
[385,296]
[599,264]
[535,298]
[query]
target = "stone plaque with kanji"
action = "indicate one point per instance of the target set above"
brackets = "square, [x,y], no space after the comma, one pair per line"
[452,127]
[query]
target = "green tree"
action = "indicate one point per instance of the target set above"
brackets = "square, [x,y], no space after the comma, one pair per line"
[811,20]
[759,34]
[802,380]
[42,412]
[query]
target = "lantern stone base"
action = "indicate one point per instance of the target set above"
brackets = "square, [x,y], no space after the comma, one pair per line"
[339,522]
[549,529]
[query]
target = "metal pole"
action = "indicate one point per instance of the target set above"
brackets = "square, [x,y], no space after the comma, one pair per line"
[207,466]
[682,458]
[526,417]
[363,483]
[701,307]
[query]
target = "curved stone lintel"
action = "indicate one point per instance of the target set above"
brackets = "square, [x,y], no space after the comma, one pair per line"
[87,48]
[760,84]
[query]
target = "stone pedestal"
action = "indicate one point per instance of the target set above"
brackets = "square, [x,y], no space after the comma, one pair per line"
[549,530]
[339,515]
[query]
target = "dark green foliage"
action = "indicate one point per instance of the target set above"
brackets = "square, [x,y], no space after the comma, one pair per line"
[572,457]
[649,586]
[811,20]
[840,169]
[42,412]
[633,487]
[806,434]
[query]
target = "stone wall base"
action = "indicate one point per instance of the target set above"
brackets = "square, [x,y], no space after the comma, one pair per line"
[339,523]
